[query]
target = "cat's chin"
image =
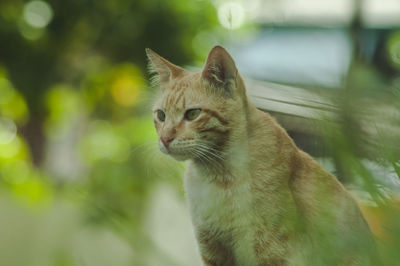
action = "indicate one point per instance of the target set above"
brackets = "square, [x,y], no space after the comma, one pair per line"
[176,156]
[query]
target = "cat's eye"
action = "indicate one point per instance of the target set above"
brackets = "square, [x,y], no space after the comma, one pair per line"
[192,114]
[161,115]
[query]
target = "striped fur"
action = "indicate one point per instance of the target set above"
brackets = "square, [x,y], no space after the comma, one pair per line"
[254,197]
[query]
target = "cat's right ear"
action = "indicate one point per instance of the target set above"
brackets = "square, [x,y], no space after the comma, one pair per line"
[220,70]
[164,70]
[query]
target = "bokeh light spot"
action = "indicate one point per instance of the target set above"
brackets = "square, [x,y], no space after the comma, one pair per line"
[8,130]
[126,84]
[12,103]
[125,90]
[38,13]
[15,172]
[29,32]
[231,15]
[33,190]
[63,105]
[10,149]
[6,91]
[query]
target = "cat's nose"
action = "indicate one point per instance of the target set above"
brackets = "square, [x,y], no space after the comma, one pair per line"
[167,140]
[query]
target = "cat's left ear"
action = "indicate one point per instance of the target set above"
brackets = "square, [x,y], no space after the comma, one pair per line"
[166,70]
[220,70]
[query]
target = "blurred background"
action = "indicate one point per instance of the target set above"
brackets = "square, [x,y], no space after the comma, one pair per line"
[81,179]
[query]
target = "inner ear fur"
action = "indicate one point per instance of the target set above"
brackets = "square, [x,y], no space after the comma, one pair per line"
[164,70]
[220,69]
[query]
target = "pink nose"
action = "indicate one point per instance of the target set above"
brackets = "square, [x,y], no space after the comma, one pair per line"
[166,141]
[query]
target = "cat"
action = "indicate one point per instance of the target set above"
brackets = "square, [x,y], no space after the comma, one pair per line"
[254,197]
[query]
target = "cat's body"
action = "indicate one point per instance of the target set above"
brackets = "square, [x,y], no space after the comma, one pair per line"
[254,197]
[263,214]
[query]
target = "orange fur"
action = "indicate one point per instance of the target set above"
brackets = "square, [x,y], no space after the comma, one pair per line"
[255,198]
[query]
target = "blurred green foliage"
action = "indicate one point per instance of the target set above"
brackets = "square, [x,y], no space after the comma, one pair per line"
[77,144]
[79,164]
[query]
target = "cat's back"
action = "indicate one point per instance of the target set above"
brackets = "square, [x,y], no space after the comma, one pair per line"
[322,206]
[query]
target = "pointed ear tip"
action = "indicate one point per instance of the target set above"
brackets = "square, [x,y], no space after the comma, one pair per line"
[150,53]
[218,48]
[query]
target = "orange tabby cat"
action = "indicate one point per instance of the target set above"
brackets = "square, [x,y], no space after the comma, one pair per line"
[255,198]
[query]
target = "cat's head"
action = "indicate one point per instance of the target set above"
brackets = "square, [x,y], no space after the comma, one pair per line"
[198,113]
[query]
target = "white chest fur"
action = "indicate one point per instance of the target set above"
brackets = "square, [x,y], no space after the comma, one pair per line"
[227,209]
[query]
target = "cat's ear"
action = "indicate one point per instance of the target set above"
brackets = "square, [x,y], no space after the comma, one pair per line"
[220,69]
[165,70]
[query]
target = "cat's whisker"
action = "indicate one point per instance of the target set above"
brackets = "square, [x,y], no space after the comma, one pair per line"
[215,161]
[211,146]
[202,158]
[211,152]
[156,158]
[199,152]
[149,161]
[144,148]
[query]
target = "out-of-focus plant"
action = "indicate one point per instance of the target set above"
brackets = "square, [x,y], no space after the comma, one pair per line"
[393,49]
[75,120]
[363,140]
[17,173]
